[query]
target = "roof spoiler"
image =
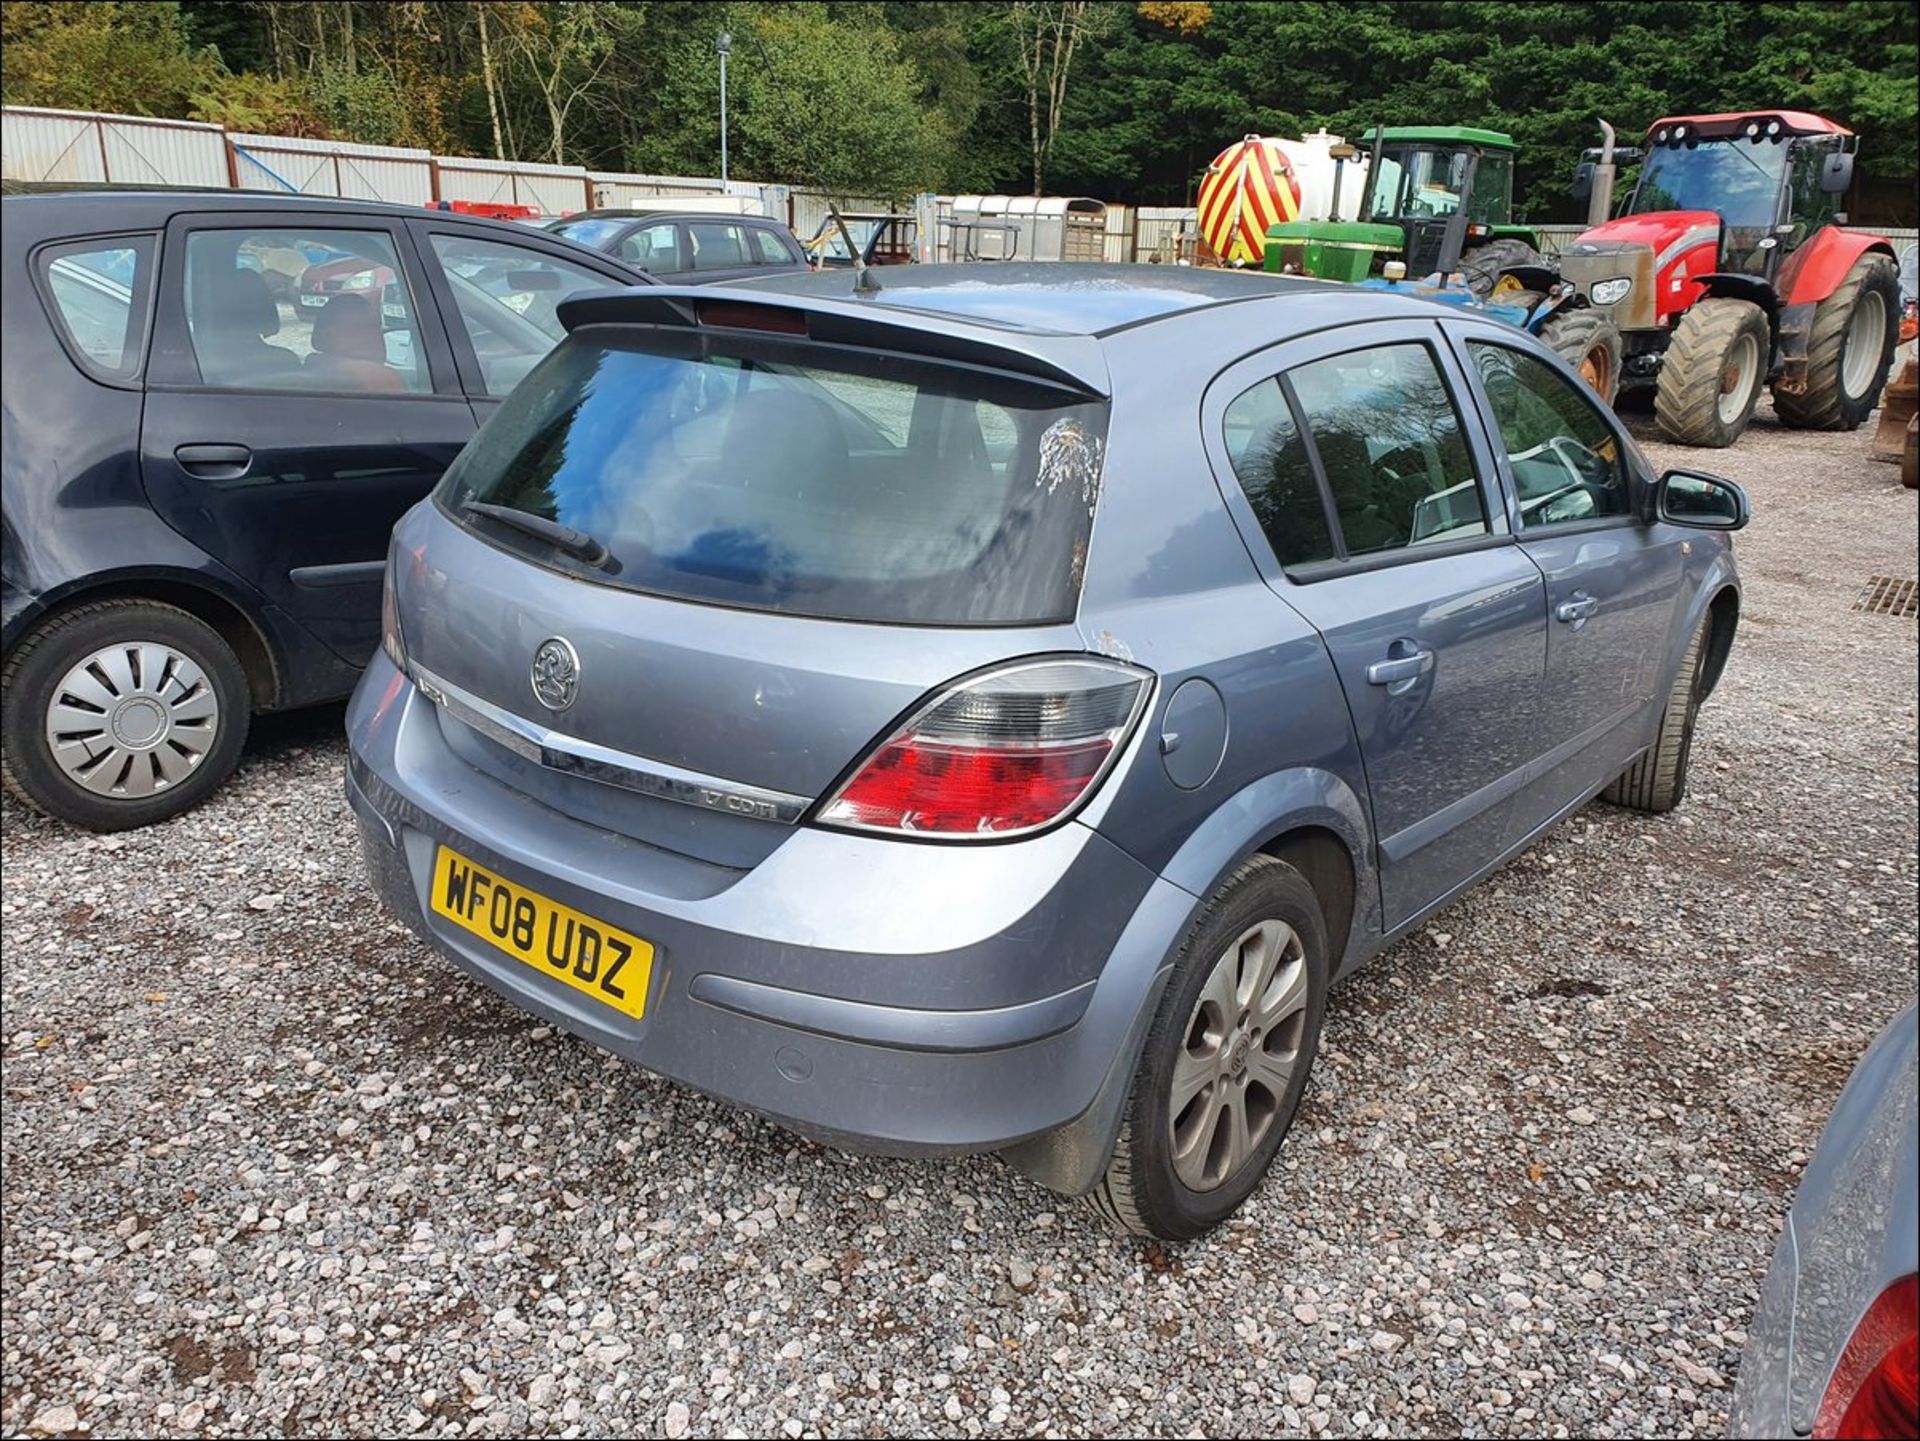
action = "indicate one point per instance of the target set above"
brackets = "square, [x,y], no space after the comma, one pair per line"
[1073,361]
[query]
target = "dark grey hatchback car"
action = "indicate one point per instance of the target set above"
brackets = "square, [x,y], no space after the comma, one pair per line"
[986,714]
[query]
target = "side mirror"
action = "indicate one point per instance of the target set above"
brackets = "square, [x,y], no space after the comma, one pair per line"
[1836,172]
[1703,502]
[1583,180]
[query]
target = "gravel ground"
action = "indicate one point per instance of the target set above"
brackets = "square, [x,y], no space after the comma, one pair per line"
[269,1166]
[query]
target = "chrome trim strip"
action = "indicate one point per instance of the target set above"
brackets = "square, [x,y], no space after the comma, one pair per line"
[558,752]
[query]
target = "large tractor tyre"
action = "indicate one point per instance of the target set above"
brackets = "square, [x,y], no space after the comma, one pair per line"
[1226,1057]
[1482,266]
[1657,782]
[1711,377]
[119,713]
[1849,350]
[1589,341]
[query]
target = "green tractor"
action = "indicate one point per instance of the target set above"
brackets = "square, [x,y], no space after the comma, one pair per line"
[1438,200]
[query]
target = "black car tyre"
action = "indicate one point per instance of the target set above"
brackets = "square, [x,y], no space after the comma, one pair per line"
[1657,782]
[1226,1057]
[1711,377]
[119,713]
[1849,350]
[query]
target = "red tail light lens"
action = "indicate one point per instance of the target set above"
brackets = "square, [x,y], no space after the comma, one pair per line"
[1875,1391]
[999,754]
[390,638]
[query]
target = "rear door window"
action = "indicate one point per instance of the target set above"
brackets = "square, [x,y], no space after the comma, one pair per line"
[1391,448]
[1387,469]
[97,291]
[303,309]
[808,479]
[653,247]
[719,247]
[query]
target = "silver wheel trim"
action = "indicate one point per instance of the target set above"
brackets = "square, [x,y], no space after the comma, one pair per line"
[1866,339]
[132,720]
[1743,365]
[1238,1055]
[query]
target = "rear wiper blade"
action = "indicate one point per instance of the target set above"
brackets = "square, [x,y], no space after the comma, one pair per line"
[562,537]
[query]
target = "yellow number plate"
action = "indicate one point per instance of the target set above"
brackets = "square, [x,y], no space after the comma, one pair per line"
[591,956]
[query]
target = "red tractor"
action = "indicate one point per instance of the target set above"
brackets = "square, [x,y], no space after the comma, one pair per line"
[1727,268]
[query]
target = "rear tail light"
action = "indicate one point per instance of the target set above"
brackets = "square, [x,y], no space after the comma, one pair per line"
[1003,753]
[390,639]
[1875,1391]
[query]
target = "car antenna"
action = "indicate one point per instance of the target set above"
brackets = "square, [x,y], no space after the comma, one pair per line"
[865,282]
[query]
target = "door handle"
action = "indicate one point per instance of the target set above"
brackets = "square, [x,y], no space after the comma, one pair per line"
[1576,610]
[214,462]
[1403,670]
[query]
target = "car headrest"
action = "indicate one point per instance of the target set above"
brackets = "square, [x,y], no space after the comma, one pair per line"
[241,304]
[349,326]
[775,431]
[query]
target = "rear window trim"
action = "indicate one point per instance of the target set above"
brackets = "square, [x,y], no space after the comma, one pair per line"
[130,376]
[440,494]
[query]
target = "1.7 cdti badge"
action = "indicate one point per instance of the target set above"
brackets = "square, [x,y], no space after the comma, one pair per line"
[593,957]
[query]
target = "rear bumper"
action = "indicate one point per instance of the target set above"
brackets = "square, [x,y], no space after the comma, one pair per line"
[905,998]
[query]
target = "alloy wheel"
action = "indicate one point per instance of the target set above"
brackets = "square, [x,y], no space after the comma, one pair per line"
[1238,1055]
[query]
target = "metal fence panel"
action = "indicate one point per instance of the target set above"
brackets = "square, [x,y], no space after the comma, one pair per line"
[333,167]
[81,147]
[173,154]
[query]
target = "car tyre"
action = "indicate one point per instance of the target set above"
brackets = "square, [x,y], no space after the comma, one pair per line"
[120,713]
[1657,782]
[1236,1032]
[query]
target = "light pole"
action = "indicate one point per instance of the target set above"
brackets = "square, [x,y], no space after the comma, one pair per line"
[724,45]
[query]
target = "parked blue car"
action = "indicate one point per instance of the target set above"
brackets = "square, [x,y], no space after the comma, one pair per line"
[985,714]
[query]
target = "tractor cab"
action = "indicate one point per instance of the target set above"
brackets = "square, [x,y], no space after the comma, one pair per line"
[1755,187]
[1438,198]
[1446,189]
[1727,270]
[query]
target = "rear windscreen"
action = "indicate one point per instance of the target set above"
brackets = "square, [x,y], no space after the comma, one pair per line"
[782,475]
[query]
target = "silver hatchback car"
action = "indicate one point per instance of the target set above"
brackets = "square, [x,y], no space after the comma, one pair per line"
[985,714]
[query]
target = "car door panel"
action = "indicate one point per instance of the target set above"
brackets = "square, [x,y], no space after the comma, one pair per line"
[291,469]
[1434,619]
[1614,583]
[1444,737]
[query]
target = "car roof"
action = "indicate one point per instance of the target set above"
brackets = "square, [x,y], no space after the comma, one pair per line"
[1044,297]
[651,216]
[181,199]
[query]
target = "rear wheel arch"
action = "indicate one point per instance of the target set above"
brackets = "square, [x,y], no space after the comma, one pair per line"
[227,618]
[1323,858]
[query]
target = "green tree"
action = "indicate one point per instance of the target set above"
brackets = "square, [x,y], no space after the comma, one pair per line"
[810,101]
[131,59]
